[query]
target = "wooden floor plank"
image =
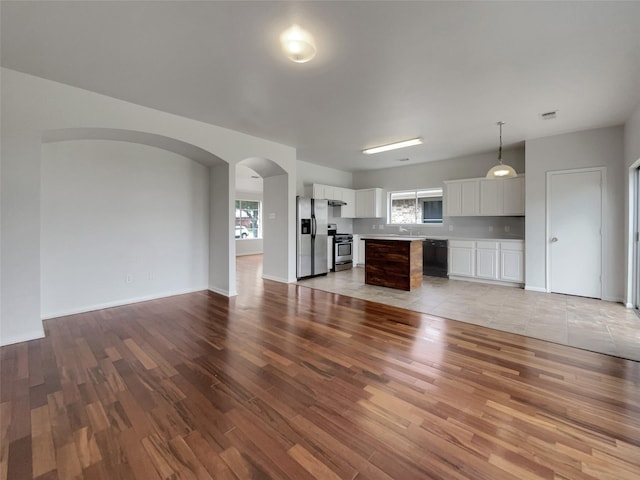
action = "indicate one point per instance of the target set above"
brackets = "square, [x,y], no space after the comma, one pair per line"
[286,382]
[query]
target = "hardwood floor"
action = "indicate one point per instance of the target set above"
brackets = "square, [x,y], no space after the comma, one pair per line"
[286,382]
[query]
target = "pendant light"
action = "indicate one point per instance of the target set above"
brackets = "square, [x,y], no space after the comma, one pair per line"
[501,170]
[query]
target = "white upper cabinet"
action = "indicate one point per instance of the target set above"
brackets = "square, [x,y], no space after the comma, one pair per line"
[513,196]
[462,198]
[348,210]
[491,197]
[365,203]
[369,203]
[479,196]
[320,191]
[338,193]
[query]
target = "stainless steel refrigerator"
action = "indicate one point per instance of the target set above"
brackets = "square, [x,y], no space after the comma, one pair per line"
[312,237]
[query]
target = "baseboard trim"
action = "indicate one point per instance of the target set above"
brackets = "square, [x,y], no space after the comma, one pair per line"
[613,299]
[25,337]
[244,254]
[487,281]
[275,279]
[535,289]
[224,293]
[119,303]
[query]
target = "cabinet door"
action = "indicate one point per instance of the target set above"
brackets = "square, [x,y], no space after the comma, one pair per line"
[487,260]
[365,200]
[513,197]
[361,252]
[453,199]
[491,197]
[348,210]
[462,261]
[470,199]
[512,261]
[319,191]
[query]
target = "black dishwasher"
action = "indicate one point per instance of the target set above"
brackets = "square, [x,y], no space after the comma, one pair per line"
[434,258]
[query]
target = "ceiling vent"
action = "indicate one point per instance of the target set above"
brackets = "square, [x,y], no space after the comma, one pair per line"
[549,115]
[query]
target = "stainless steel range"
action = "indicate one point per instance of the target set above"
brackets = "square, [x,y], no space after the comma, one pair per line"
[342,249]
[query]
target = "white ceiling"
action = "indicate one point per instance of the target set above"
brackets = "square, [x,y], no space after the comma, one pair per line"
[384,71]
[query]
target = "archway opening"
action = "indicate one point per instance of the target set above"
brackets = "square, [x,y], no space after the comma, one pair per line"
[126,216]
[262,190]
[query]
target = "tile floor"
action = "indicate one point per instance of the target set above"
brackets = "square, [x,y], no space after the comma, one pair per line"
[585,323]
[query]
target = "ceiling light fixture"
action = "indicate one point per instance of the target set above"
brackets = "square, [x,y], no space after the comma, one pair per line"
[501,170]
[298,44]
[393,146]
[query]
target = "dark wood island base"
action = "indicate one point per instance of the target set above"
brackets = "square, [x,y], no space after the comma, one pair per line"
[393,263]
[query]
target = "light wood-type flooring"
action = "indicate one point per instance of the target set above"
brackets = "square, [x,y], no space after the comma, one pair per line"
[288,382]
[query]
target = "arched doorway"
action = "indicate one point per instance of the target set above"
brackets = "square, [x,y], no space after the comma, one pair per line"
[275,226]
[131,221]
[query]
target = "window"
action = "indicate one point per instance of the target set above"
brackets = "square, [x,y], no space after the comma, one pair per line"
[411,207]
[248,219]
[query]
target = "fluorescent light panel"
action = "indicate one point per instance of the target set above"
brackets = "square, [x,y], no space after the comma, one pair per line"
[393,146]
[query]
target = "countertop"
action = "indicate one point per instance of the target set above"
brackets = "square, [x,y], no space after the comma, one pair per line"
[406,238]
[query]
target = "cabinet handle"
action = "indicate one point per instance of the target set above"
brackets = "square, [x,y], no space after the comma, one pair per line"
[554,239]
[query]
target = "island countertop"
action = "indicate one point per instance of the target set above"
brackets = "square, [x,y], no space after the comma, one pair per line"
[366,236]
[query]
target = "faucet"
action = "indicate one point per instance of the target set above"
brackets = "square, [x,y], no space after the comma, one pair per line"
[403,230]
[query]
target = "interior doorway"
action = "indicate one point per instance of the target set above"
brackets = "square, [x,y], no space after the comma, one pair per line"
[574,232]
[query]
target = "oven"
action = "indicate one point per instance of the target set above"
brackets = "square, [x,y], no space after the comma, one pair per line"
[342,251]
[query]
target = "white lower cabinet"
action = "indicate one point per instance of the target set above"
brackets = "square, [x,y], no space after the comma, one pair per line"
[512,262]
[487,260]
[462,258]
[492,261]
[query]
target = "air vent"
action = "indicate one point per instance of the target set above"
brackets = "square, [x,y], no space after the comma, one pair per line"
[549,115]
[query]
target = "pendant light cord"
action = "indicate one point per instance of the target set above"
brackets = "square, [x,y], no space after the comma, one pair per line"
[500,150]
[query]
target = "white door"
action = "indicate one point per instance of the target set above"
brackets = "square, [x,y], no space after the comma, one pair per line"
[574,235]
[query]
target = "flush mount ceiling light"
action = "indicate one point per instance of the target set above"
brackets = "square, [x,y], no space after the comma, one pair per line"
[298,44]
[501,170]
[393,146]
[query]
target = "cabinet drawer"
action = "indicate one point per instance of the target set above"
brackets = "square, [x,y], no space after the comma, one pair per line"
[513,246]
[462,244]
[488,245]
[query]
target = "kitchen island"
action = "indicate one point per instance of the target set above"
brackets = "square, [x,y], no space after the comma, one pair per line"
[394,262]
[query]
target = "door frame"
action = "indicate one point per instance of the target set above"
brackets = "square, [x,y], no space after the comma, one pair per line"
[633,247]
[603,229]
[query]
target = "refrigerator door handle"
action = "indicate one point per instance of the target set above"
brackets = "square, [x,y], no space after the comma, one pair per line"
[314,226]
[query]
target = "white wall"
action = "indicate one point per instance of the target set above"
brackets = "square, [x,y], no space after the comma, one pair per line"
[274,224]
[632,161]
[310,173]
[632,137]
[32,106]
[432,175]
[590,148]
[249,246]
[112,209]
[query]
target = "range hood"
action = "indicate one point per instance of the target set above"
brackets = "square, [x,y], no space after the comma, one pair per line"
[336,203]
